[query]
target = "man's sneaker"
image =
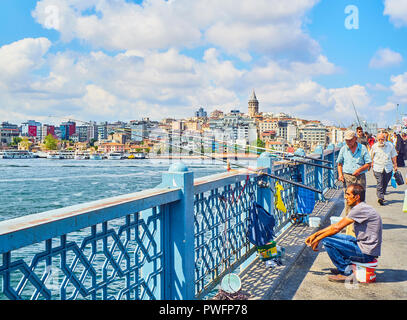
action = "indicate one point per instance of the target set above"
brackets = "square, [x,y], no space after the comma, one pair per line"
[338,278]
[334,271]
[381,201]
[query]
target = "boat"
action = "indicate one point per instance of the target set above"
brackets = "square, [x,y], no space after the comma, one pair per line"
[54,156]
[139,155]
[114,156]
[16,154]
[79,156]
[95,156]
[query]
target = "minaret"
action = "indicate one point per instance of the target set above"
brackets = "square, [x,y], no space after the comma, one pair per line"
[253,105]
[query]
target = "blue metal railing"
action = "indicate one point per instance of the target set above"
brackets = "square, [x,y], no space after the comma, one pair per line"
[172,242]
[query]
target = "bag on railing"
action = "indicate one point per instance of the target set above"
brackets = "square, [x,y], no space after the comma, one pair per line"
[399,178]
[260,226]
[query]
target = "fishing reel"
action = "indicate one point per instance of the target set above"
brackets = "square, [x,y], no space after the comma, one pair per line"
[263,184]
[298,218]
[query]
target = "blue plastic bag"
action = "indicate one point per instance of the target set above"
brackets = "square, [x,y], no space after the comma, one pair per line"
[261,224]
[393,181]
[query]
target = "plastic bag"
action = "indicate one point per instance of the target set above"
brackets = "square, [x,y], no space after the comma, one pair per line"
[398,177]
[393,181]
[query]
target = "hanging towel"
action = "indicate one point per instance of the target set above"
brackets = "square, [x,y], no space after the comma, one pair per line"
[279,201]
[261,225]
[305,201]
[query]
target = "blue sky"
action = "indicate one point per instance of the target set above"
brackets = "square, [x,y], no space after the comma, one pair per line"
[124,60]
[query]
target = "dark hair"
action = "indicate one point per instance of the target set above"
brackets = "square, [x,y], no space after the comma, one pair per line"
[357,189]
[359,128]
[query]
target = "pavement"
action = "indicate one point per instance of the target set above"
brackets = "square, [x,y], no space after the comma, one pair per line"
[304,273]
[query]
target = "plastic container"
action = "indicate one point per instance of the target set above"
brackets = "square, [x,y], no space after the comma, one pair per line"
[267,251]
[365,272]
[314,222]
[335,219]
[231,283]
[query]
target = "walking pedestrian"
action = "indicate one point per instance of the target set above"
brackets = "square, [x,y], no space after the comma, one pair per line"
[342,249]
[361,137]
[384,159]
[399,143]
[353,163]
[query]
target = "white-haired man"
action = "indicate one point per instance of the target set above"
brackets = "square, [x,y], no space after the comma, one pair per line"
[384,156]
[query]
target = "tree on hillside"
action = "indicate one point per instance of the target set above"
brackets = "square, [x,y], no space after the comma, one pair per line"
[50,142]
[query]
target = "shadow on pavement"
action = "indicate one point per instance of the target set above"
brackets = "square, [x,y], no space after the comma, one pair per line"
[393,226]
[391,275]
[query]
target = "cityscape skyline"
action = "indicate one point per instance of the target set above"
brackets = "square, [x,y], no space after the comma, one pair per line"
[126,60]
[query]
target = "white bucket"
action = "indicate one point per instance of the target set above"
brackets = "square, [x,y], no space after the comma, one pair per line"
[314,222]
[231,283]
[335,219]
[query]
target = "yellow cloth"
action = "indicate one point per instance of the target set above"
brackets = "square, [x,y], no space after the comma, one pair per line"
[279,201]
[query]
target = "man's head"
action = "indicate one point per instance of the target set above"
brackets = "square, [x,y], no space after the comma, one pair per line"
[354,194]
[359,132]
[350,138]
[381,139]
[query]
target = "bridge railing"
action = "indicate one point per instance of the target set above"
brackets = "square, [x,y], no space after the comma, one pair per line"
[175,241]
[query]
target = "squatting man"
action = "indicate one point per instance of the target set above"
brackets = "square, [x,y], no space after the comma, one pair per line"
[342,248]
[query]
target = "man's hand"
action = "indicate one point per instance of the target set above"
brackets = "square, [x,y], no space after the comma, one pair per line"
[356,173]
[312,242]
[341,178]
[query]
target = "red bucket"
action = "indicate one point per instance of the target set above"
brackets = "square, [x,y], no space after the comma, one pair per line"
[365,272]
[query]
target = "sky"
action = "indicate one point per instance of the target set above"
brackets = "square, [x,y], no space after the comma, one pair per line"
[109,60]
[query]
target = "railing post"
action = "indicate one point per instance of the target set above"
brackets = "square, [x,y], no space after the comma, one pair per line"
[179,253]
[319,174]
[331,158]
[265,160]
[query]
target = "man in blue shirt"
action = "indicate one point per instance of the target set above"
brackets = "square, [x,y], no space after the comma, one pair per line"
[353,163]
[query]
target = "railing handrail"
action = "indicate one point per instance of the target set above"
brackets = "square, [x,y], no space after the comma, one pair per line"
[19,232]
[222,179]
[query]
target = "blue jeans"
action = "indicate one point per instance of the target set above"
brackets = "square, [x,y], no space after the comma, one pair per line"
[342,249]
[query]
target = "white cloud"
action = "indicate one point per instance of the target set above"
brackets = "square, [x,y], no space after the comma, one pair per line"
[237,26]
[21,57]
[385,58]
[399,87]
[397,11]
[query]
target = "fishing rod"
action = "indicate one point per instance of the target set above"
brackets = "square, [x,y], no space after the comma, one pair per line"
[208,139]
[247,168]
[254,147]
[261,148]
[235,164]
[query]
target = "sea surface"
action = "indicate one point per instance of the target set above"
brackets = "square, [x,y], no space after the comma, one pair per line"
[30,186]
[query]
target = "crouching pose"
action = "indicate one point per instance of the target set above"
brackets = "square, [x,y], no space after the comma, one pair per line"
[343,249]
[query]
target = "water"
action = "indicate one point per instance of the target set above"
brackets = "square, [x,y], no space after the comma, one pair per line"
[30,186]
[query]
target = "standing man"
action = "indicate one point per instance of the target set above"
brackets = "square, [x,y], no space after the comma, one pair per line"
[353,163]
[362,139]
[343,249]
[384,158]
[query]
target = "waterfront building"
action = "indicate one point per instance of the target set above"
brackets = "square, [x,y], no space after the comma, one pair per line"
[201,113]
[7,132]
[313,133]
[102,131]
[109,147]
[31,128]
[67,129]
[253,105]
[92,131]
[46,130]
[217,114]
[139,131]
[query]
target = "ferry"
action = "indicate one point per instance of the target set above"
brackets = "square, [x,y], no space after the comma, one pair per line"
[80,156]
[95,156]
[114,156]
[16,154]
[55,156]
[139,155]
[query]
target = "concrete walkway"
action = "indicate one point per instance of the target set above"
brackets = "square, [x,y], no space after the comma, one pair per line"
[307,277]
